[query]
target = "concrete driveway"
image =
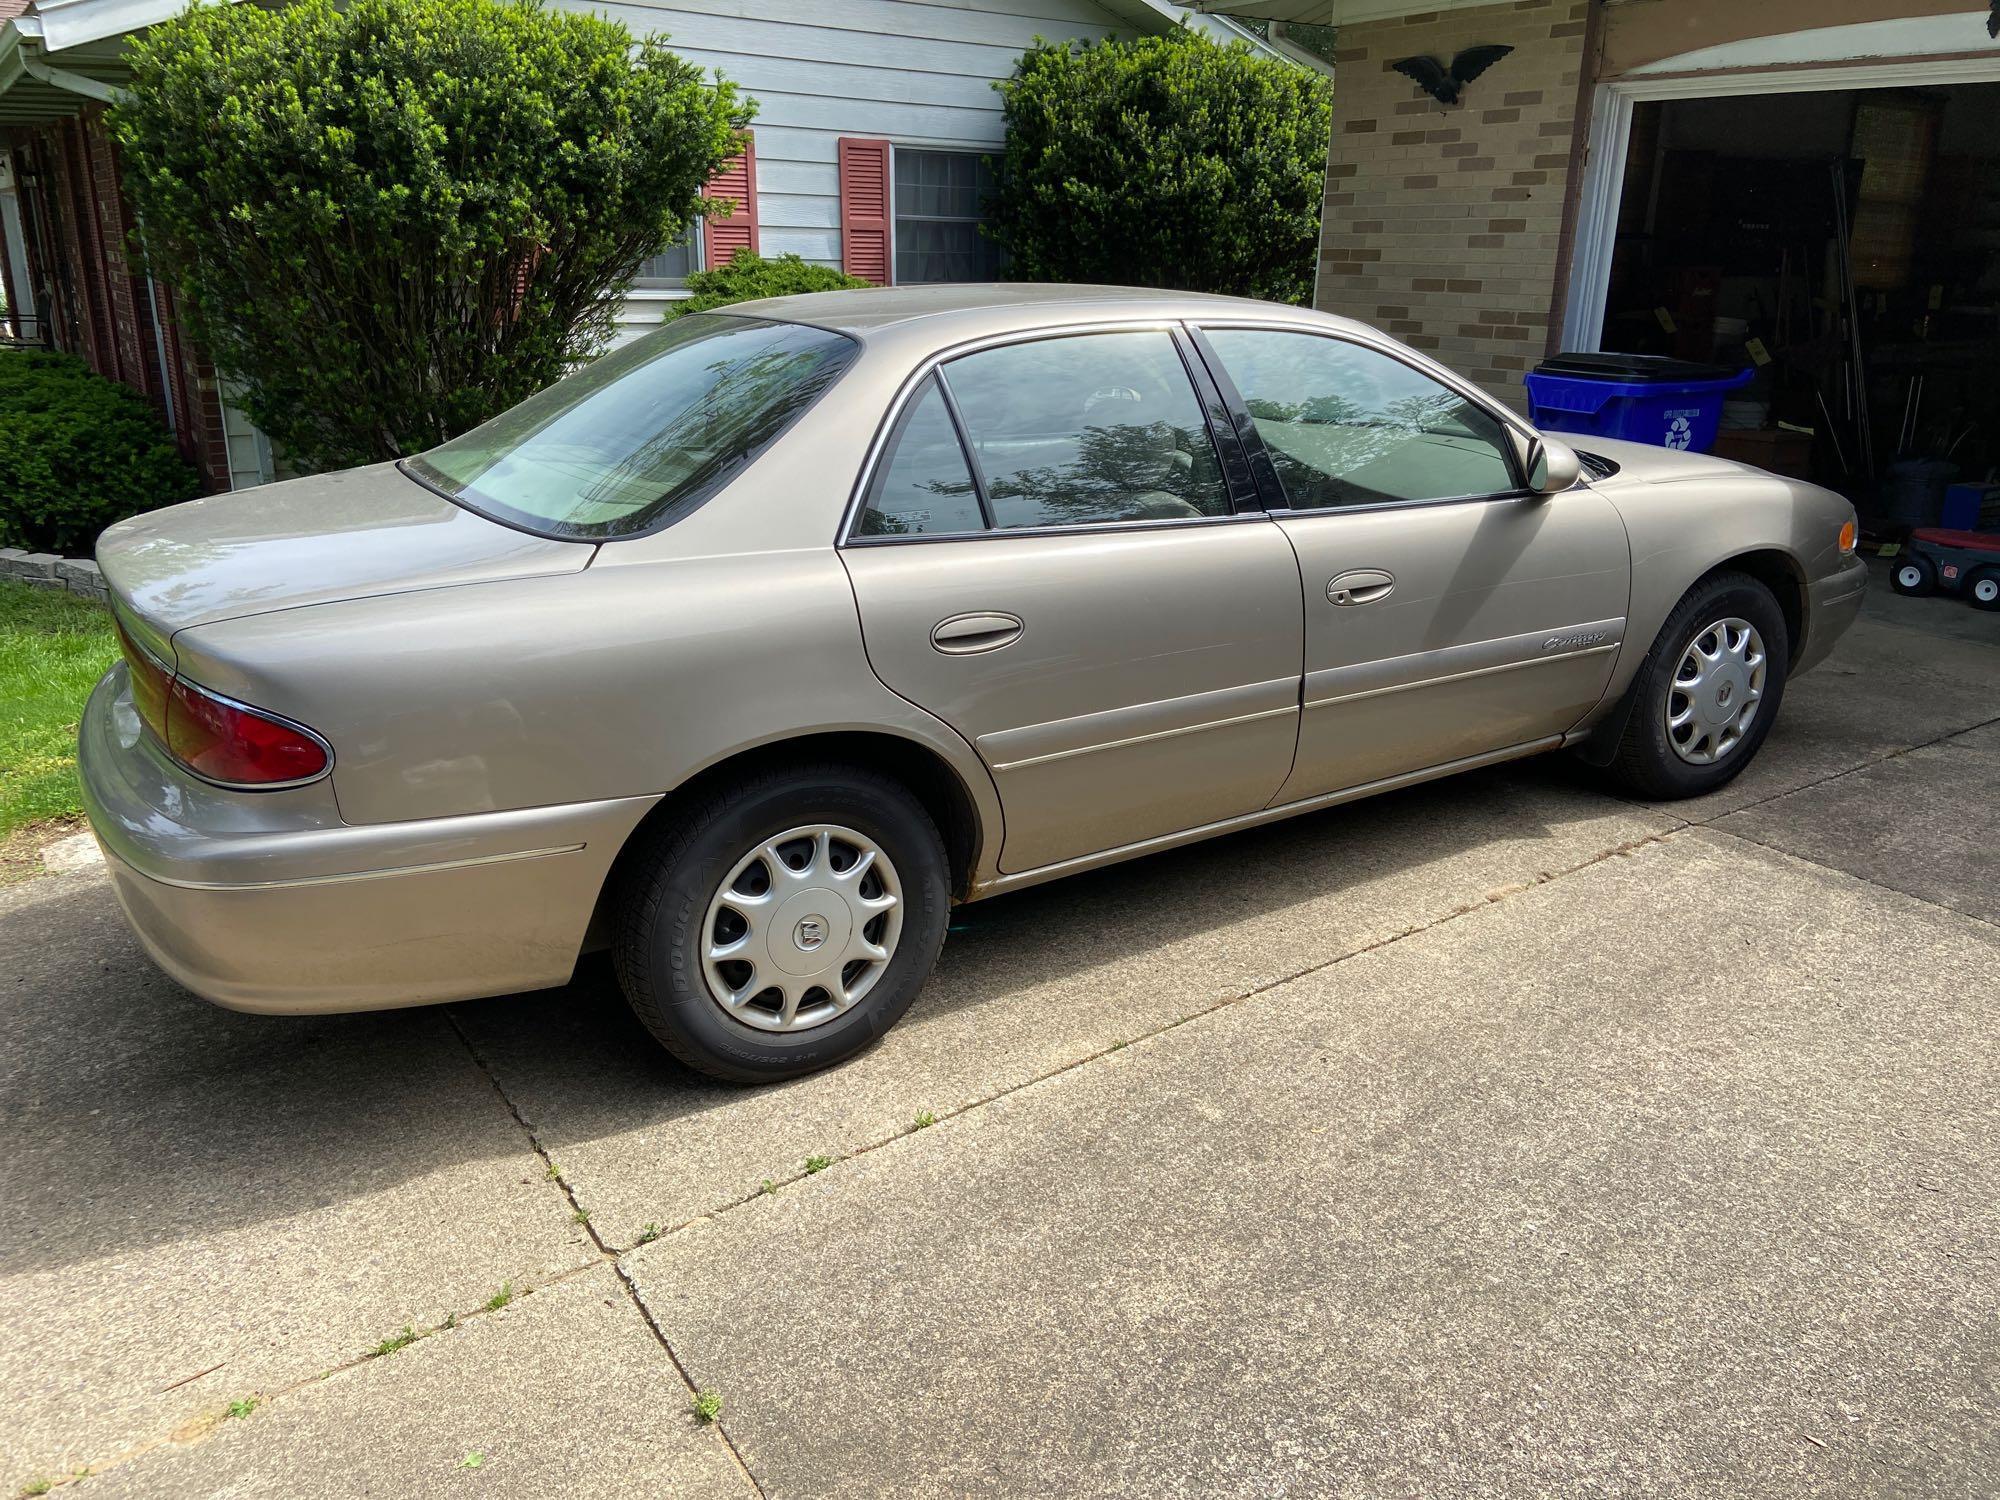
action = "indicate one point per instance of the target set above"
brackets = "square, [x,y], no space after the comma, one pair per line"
[1498,1137]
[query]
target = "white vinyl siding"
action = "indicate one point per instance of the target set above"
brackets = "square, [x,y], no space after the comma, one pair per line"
[910,72]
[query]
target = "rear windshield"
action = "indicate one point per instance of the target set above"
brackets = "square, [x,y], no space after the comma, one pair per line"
[643,435]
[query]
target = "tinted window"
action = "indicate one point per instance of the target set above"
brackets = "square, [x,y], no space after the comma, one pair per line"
[1097,427]
[643,434]
[1346,425]
[922,484]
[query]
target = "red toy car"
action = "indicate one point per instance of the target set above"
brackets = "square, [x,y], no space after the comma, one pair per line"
[1956,561]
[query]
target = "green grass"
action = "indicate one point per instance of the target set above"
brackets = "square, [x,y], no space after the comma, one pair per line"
[395,1341]
[53,648]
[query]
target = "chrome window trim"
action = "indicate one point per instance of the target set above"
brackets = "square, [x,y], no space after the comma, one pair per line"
[845,535]
[1411,359]
[1081,528]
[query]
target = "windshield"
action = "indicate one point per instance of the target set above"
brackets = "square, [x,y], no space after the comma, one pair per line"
[643,435]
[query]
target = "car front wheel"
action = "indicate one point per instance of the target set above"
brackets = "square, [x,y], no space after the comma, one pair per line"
[782,924]
[1708,691]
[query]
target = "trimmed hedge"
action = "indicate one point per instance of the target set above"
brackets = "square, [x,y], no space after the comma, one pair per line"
[748,276]
[1170,161]
[393,219]
[78,452]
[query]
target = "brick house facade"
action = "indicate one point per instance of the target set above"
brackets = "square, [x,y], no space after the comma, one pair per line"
[1443,226]
[91,300]
[1484,233]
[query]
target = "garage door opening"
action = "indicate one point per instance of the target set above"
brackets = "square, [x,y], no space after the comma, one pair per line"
[1844,244]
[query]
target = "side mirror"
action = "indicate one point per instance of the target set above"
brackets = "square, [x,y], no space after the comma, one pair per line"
[1552,466]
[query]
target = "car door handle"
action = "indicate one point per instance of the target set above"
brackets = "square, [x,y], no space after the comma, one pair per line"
[1362,586]
[967,635]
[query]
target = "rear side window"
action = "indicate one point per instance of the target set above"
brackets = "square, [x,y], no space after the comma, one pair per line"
[922,484]
[1348,425]
[1087,429]
[643,435]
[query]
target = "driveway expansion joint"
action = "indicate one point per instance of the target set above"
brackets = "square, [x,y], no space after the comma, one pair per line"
[1807,859]
[1491,898]
[1712,819]
[606,1255]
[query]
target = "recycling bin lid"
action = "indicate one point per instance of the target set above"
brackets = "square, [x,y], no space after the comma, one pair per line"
[1633,369]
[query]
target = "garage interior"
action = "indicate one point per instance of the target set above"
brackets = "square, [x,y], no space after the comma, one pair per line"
[1845,245]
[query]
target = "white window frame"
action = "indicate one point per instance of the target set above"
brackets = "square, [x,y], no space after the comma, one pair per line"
[673,291]
[1811,64]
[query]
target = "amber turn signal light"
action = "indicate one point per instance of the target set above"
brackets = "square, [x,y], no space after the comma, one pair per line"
[1848,537]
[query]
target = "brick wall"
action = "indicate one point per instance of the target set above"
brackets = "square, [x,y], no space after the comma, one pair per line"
[95,301]
[1442,227]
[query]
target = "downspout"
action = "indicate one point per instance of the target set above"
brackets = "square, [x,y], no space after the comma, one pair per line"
[68,82]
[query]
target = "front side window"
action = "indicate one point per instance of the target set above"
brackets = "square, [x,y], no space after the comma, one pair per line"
[922,485]
[644,434]
[1348,425]
[1088,428]
[940,198]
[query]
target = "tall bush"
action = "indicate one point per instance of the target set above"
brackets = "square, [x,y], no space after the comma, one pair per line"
[77,452]
[1169,161]
[392,219]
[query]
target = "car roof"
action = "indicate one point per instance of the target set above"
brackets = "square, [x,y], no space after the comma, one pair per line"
[960,308]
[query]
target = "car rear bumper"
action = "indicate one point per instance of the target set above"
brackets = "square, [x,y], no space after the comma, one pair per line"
[1834,602]
[268,902]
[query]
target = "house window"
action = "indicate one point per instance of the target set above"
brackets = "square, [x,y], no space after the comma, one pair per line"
[939,202]
[668,271]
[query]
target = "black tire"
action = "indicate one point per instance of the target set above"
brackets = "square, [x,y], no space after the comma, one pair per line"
[669,882]
[1913,575]
[1982,589]
[1647,763]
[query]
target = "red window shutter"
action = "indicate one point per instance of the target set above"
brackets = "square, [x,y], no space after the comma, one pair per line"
[864,209]
[722,238]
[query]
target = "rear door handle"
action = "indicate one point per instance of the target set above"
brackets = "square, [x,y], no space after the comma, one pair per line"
[968,635]
[1361,586]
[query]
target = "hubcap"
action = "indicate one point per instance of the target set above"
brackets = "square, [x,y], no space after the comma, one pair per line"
[802,928]
[1908,576]
[1986,590]
[1715,692]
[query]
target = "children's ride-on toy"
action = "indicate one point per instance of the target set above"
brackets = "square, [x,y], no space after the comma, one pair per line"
[1965,562]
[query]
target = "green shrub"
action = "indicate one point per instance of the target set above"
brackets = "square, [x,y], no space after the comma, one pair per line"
[748,275]
[393,219]
[1169,161]
[77,452]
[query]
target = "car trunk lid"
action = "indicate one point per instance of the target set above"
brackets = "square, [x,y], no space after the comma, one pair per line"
[350,535]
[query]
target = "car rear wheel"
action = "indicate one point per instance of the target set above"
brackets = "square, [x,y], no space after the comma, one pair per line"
[783,923]
[1914,575]
[1982,589]
[1708,691]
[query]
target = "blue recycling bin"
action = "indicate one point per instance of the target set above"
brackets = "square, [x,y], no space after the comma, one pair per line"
[1642,398]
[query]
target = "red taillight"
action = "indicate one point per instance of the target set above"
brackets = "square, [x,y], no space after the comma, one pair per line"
[224,741]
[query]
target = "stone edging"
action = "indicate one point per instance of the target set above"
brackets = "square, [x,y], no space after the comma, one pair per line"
[46,570]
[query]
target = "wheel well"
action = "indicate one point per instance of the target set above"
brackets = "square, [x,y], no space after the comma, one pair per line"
[926,773]
[1787,582]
